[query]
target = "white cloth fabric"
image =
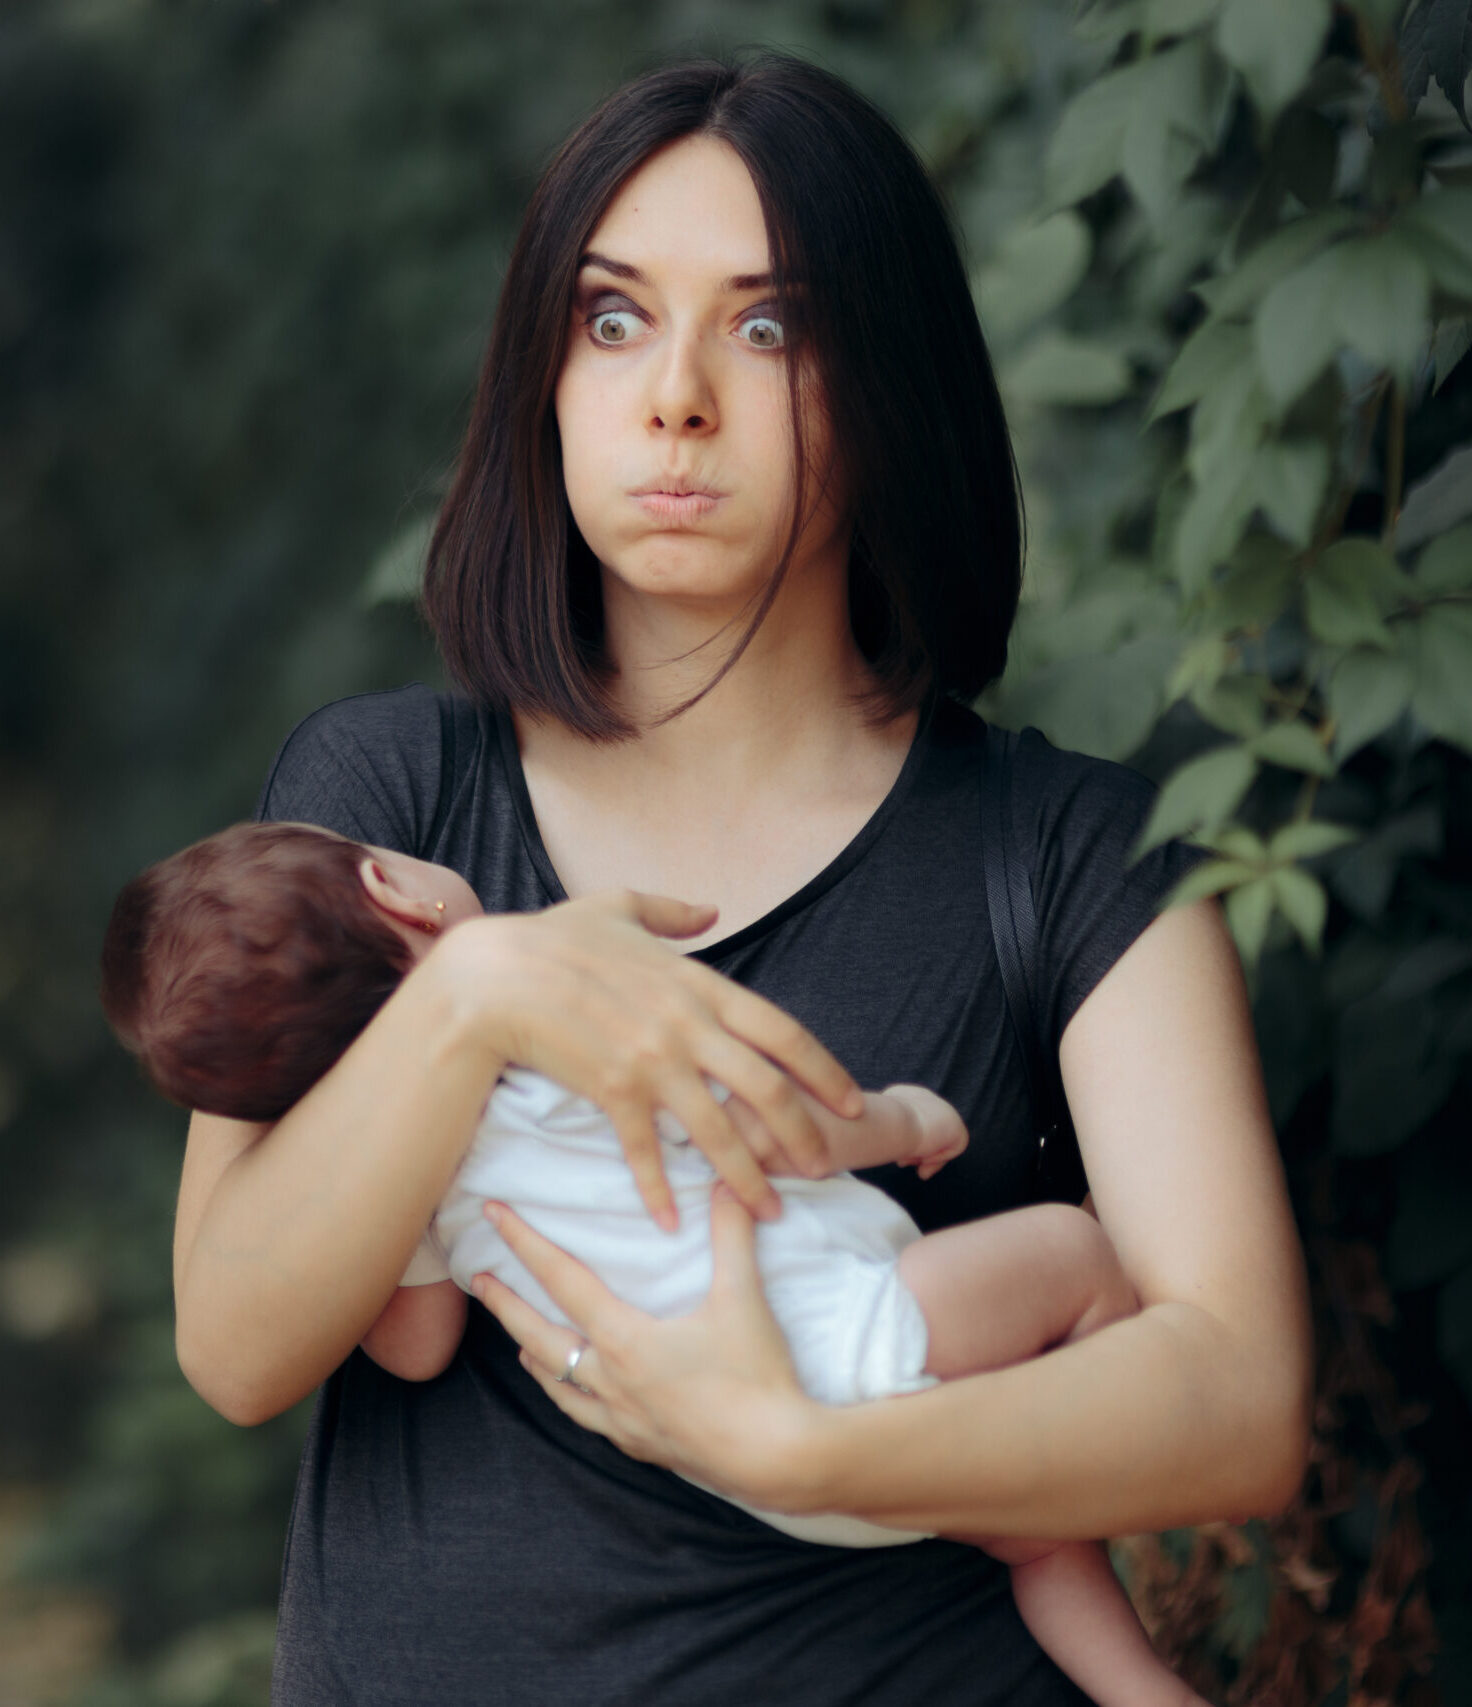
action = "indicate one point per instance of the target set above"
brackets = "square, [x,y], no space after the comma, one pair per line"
[829,1265]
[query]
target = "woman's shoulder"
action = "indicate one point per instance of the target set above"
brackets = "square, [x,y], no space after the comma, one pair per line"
[373,765]
[1053,791]
[1075,821]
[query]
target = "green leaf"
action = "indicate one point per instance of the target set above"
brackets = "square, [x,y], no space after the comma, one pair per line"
[1236,841]
[1214,350]
[1437,42]
[1234,292]
[1035,269]
[1104,705]
[1257,587]
[1233,704]
[1228,426]
[1382,302]
[1200,665]
[1208,527]
[1294,746]
[1249,909]
[1343,590]
[1289,477]
[1295,333]
[1209,879]
[1150,119]
[1175,17]
[1087,144]
[1439,646]
[1436,504]
[1370,293]
[1059,368]
[1367,692]
[1445,566]
[1309,839]
[1272,44]
[1110,21]
[1439,228]
[1302,901]
[1451,341]
[1202,794]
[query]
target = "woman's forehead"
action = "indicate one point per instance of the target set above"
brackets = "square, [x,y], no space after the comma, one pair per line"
[691,206]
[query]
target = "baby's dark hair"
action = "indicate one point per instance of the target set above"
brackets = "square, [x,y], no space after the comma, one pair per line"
[239,970]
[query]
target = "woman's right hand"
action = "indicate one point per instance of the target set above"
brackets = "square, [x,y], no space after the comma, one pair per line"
[587,993]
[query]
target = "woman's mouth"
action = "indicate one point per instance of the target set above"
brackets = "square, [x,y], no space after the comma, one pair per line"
[677,501]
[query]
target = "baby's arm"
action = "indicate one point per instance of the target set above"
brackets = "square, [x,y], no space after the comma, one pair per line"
[419,1331]
[906,1124]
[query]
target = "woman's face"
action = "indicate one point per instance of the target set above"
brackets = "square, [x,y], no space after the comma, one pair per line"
[673,402]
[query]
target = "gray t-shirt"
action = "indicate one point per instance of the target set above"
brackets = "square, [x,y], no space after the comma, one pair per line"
[462,1539]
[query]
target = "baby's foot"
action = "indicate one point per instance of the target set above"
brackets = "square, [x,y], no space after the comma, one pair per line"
[941,1133]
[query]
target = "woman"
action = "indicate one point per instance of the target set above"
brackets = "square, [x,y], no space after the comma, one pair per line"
[734,529]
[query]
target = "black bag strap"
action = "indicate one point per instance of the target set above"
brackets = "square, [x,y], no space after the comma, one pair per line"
[1009,903]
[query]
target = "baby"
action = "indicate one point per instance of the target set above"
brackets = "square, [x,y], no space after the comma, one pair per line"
[240,969]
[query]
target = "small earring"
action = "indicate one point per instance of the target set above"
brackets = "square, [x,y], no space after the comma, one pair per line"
[430,927]
[439,906]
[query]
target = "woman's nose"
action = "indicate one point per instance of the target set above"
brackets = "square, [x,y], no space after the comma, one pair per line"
[682,398]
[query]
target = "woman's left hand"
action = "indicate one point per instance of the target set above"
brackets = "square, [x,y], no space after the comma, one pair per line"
[712,1394]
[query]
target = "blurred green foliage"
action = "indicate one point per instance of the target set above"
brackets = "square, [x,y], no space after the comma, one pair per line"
[1223,252]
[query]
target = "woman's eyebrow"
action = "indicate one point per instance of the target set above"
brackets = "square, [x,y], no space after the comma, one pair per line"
[622,270]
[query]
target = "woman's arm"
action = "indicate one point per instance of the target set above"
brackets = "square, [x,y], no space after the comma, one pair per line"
[1195,1408]
[290,1241]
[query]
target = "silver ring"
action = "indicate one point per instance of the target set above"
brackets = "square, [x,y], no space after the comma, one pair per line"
[570,1368]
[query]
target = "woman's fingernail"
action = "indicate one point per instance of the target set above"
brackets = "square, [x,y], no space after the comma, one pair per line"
[667,1220]
[853,1103]
[771,1209]
[492,1213]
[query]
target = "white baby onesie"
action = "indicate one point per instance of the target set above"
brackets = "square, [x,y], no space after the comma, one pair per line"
[829,1264]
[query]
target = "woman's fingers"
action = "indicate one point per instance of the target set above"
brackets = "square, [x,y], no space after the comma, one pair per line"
[758,1137]
[715,1135]
[733,1247]
[781,1038]
[546,1343]
[639,1141]
[571,1285]
[775,1102]
[664,916]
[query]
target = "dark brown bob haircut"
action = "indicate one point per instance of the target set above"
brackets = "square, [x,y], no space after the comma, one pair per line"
[868,273]
[240,970]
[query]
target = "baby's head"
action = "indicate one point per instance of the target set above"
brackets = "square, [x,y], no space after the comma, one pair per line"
[239,970]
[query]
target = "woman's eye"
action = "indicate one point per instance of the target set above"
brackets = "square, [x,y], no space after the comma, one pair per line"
[763,332]
[613,326]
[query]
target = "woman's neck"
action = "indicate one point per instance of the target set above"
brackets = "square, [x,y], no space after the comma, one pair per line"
[788,699]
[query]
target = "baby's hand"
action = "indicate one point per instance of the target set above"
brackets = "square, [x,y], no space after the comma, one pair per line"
[940,1133]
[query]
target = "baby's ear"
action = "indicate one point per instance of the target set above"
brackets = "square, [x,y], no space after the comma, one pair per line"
[381,890]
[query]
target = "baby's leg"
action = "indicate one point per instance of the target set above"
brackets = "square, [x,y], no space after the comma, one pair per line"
[1071,1600]
[997,1291]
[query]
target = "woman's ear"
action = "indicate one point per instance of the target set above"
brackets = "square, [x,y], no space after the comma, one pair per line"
[416,911]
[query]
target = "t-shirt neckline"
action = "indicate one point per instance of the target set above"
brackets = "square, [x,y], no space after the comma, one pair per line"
[837,868]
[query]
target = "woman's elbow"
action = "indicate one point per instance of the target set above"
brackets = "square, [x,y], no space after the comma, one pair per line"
[226,1388]
[1276,1439]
